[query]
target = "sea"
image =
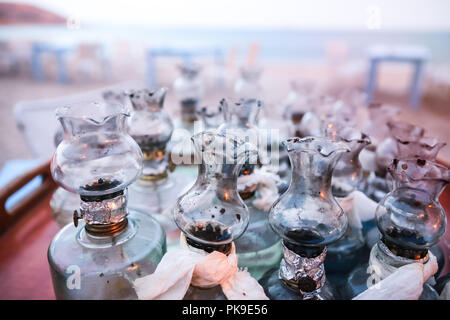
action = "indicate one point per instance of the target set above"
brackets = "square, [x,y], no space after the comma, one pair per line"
[274,44]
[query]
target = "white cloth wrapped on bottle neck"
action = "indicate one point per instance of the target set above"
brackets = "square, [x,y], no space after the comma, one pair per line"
[182,267]
[385,152]
[266,184]
[358,208]
[403,283]
[367,158]
[310,124]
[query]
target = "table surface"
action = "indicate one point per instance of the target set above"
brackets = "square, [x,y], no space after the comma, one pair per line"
[24,270]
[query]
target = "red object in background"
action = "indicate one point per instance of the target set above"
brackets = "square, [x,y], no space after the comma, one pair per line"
[24,270]
[444,199]
[15,13]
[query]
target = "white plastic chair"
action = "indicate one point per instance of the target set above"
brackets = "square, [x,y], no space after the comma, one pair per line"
[37,122]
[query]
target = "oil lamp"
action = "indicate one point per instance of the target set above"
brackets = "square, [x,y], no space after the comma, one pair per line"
[211,214]
[406,141]
[113,245]
[158,187]
[211,116]
[308,219]
[299,90]
[259,247]
[346,252]
[410,219]
[248,85]
[189,91]
[63,202]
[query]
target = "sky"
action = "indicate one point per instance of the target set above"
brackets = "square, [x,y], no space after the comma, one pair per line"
[414,15]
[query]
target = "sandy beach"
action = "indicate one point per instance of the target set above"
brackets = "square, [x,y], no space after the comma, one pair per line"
[433,115]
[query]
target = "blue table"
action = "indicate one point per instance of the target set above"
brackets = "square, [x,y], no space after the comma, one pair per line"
[59,51]
[416,56]
[185,54]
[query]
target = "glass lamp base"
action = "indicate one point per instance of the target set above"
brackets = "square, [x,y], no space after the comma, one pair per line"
[361,276]
[258,262]
[259,248]
[90,267]
[63,204]
[196,293]
[276,289]
[372,237]
[156,198]
[184,124]
[357,282]
[344,254]
[376,187]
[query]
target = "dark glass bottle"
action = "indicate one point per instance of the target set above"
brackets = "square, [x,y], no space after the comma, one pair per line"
[212,214]
[308,219]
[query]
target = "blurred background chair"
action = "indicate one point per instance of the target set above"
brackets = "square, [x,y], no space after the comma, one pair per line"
[8,60]
[59,50]
[38,125]
[415,55]
[91,61]
[187,55]
[37,122]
